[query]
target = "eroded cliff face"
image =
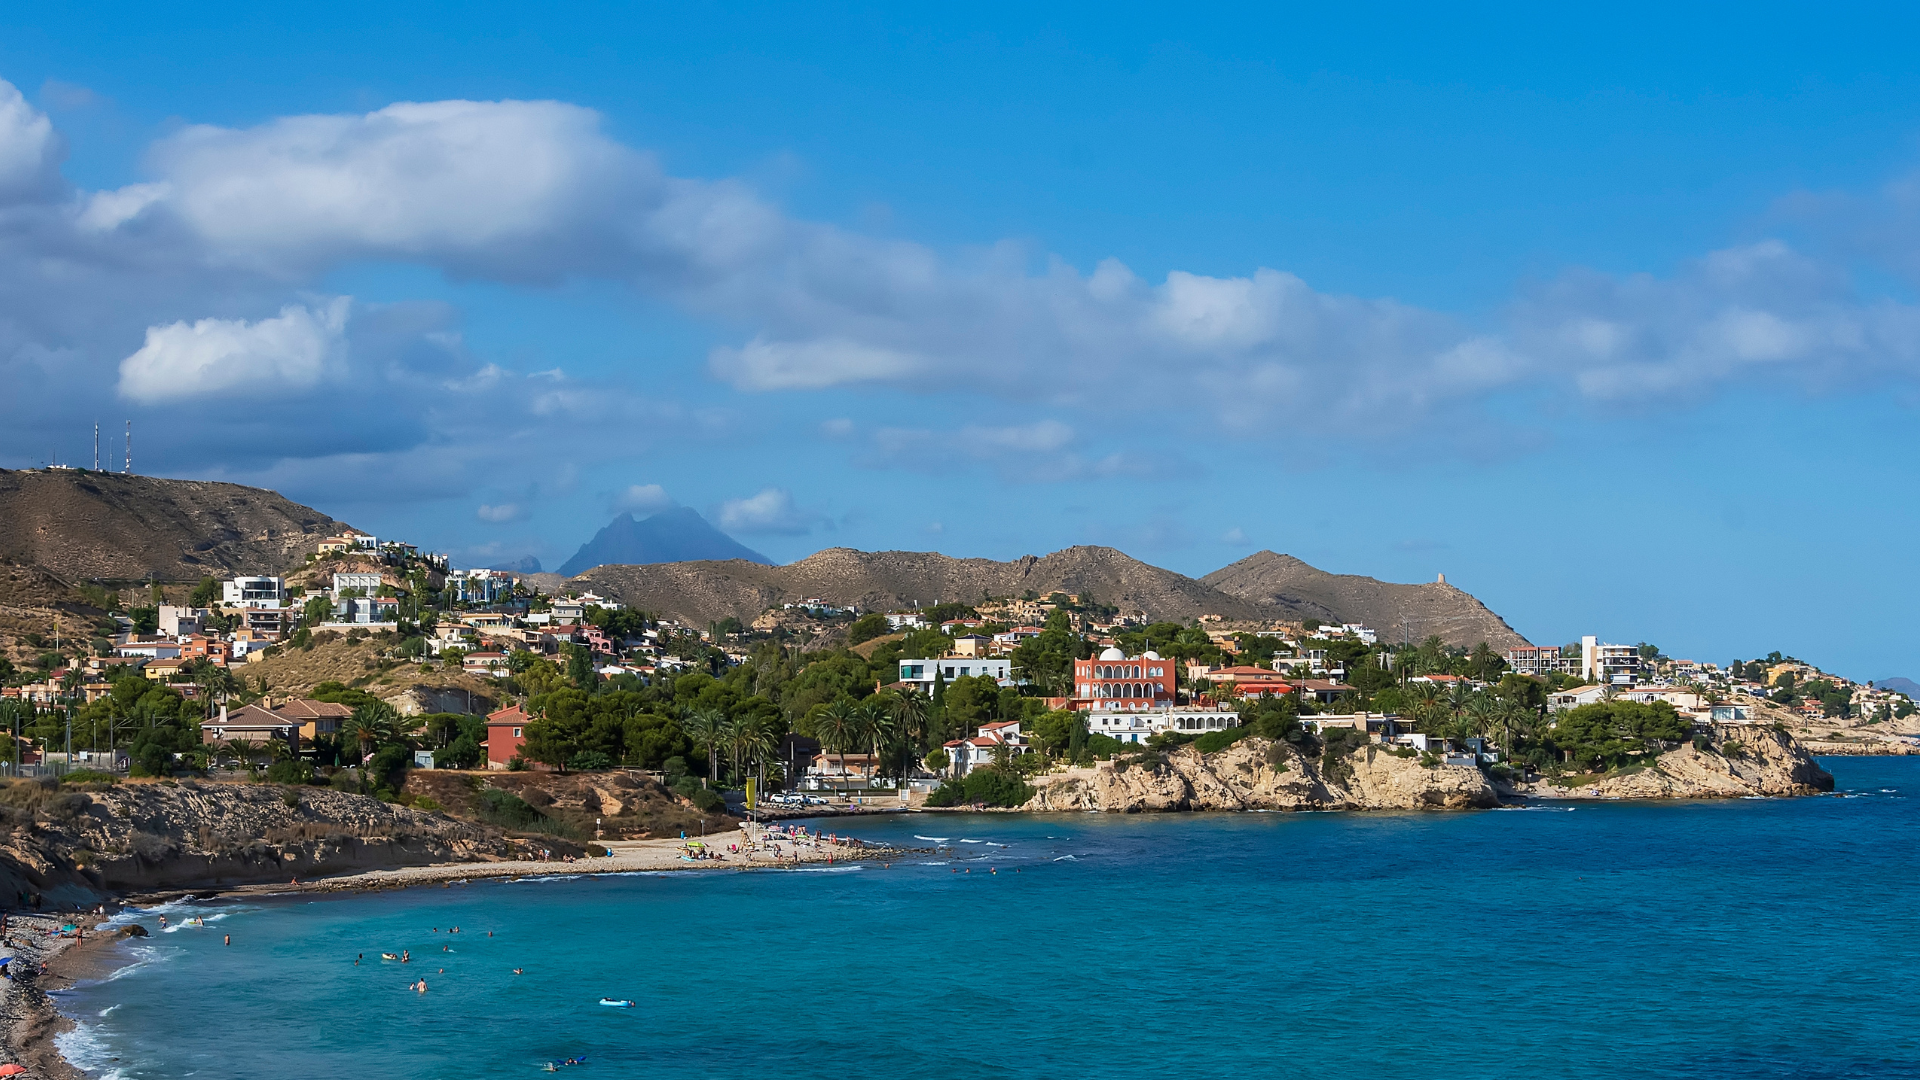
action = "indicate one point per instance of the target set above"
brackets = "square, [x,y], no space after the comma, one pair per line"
[76,846]
[1742,760]
[1255,774]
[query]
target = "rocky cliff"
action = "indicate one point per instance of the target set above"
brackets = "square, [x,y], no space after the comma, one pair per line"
[1740,760]
[74,846]
[1254,774]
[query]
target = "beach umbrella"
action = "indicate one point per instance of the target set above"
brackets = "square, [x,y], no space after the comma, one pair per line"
[11,1069]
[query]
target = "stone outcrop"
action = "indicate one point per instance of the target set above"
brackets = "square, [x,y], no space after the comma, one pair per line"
[1741,760]
[78,845]
[1255,774]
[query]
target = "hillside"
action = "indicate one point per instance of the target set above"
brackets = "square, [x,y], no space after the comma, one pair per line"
[1398,612]
[676,535]
[700,592]
[85,525]
[703,591]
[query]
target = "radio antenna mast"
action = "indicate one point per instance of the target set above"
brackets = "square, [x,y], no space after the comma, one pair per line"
[129,468]
[96,446]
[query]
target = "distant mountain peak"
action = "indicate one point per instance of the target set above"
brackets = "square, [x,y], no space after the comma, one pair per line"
[676,535]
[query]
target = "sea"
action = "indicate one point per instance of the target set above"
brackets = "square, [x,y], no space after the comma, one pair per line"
[1741,938]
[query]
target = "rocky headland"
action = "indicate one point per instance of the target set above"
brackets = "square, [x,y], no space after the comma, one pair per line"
[67,847]
[1257,774]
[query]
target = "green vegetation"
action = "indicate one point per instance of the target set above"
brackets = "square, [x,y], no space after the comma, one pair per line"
[987,786]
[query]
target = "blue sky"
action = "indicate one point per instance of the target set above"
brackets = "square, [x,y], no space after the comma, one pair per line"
[1606,314]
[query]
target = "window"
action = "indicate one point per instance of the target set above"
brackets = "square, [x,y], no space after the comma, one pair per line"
[516,733]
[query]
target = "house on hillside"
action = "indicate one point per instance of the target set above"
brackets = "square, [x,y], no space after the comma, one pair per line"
[506,734]
[251,724]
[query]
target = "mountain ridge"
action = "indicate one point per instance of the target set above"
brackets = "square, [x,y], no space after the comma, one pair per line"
[702,592]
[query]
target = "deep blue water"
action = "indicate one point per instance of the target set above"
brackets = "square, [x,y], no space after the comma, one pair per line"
[1751,938]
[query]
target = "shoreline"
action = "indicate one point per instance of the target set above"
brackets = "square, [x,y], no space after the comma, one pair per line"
[760,847]
[46,963]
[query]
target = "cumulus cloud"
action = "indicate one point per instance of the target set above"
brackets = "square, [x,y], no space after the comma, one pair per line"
[643,499]
[501,513]
[771,512]
[30,149]
[188,287]
[293,351]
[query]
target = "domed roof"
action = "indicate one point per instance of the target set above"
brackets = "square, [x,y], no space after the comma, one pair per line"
[1149,655]
[1113,654]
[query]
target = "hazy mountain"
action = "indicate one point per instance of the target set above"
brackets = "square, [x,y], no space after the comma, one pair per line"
[526,565]
[670,536]
[1397,612]
[1900,686]
[80,524]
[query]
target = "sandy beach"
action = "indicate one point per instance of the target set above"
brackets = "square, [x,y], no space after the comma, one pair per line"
[44,961]
[751,847]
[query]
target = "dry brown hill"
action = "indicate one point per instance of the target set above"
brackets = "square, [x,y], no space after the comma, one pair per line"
[1263,587]
[1397,612]
[89,525]
[699,592]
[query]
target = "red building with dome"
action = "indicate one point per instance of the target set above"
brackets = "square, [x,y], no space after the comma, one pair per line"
[1115,681]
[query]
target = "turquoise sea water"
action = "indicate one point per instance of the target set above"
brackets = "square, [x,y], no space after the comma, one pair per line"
[1751,938]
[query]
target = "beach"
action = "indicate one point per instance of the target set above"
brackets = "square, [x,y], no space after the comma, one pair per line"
[753,846]
[45,960]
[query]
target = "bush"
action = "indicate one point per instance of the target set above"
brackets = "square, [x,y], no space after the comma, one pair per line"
[589,761]
[346,780]
[290,771]
[867,627]
[983,787]
[1215,741]
[1702,743]
[426,802]
[89,776]
[516,763]
[1340,744]
[505,809]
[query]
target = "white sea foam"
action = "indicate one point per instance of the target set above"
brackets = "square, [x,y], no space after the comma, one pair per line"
[1066,858]
[146,956]
[992,844]
[88,1050]
[935,839]
[965,841]
[108,1011]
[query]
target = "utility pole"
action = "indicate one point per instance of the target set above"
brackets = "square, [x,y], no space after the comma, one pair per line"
[96,446]
[129,444]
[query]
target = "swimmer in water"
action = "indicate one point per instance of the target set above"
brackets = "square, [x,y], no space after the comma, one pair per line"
[516,971]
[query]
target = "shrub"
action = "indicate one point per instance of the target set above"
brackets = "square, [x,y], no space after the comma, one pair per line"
[89,776]
[1215,741]
[505,809]
[426,802]
[1340,743]
[867,627]
[986,786]
[290,771]
[589,761]
[291,798]
[516,763]
[1702,743]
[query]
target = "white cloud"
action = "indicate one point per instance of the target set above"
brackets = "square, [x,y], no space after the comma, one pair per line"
[30,149]
[1234,536]
[643,499]
[501,513]
[810,365]
[293,351]
[771,511]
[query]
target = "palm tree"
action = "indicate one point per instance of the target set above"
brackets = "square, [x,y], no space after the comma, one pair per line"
[756,742]
[704,726]
[876,727]
[363,730]
[910,720]
[837,725]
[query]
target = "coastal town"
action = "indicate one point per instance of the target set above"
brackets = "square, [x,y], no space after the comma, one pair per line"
[816,702]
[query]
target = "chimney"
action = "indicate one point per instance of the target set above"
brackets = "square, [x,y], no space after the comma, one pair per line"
[223,714]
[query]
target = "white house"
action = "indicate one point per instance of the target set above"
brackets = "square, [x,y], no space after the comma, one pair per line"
[368,584]
[179,622]
[921,673]
[254,592]
[1575,696]
[965,755]
[1138,727]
